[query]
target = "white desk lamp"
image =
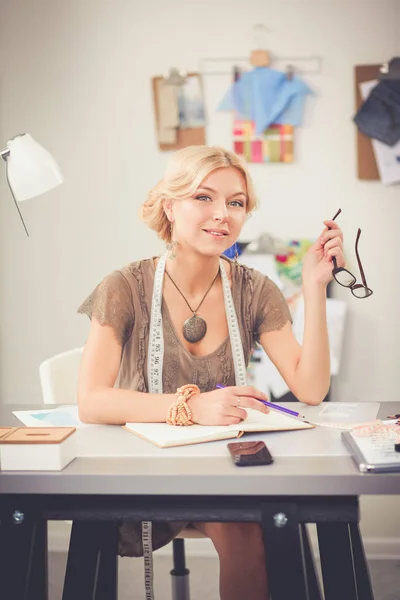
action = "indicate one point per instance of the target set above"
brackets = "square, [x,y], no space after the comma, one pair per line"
[30,169]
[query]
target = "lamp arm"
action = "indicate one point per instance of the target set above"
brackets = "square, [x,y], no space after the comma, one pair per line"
[4,155]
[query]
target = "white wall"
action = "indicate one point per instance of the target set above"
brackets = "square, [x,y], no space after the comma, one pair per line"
[76,75]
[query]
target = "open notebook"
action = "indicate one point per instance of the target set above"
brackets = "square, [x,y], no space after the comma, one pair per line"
[165,436]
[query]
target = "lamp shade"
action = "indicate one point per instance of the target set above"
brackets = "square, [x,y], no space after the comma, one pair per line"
[31,169]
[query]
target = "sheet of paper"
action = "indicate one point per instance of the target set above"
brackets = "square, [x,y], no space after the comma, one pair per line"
[62,416]
[341,415]
[340,425]
[168,118]
[387,157]
[191,103]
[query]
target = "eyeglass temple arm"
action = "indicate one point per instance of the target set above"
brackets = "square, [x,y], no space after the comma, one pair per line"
[359,261]
[334,261]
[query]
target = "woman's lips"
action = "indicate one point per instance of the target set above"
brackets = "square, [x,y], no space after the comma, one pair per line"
[216,233]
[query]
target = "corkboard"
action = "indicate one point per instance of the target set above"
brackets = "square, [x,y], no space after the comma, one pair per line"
[185,137]
[366,163]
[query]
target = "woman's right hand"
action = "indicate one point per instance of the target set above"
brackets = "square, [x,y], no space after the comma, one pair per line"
[225,406]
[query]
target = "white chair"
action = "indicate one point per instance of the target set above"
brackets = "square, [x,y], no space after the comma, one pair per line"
[59,377]
[59,383]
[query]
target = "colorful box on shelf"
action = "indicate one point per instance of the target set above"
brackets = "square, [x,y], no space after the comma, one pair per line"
[36,448]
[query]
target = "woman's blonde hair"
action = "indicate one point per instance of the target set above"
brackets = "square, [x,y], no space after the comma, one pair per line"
[185,171]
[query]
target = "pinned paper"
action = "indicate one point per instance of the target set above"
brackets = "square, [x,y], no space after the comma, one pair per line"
[62,416]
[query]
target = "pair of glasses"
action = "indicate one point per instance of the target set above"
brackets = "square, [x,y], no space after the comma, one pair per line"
[347,279]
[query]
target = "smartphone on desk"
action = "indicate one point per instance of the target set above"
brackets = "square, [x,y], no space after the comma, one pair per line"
[246,454]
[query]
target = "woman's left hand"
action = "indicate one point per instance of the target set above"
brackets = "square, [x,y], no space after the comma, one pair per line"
[318,264]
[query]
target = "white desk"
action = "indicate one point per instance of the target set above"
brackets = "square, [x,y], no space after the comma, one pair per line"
[199,483]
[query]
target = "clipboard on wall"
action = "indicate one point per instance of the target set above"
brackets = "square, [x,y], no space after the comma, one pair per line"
[182,136]
[366,163]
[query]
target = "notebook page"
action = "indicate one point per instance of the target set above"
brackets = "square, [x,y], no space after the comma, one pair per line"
[273,421]
[164,435]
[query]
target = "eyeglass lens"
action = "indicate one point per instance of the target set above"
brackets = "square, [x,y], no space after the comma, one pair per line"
[345,278]
[361,292]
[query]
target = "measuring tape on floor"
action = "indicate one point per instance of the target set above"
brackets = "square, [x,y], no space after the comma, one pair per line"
[148,558]
[155,359]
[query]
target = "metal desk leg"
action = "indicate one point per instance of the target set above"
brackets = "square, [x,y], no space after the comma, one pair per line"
[23,556]
[344,569]
[38,584]
[361,566]
[107,583]
[314,588]
[283,550]
[92,562]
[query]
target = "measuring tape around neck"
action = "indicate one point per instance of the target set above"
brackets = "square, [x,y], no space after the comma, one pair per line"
[234,331]
[155,361]
[155,356]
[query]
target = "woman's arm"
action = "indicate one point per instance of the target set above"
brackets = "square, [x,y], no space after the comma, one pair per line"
[98,400]
[305,368]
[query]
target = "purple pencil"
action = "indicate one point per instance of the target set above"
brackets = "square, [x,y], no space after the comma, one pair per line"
[271,405]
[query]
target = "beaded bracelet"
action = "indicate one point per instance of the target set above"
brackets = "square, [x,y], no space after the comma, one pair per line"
[179,412]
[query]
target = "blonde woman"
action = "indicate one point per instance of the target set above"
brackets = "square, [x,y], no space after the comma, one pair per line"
[199,208]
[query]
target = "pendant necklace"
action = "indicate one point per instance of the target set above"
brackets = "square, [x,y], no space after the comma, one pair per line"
[194,328]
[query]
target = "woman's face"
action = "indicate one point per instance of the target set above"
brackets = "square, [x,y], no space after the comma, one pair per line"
[211,219]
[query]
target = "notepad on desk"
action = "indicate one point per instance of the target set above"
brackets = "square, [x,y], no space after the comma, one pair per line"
[167,436]
[372,446]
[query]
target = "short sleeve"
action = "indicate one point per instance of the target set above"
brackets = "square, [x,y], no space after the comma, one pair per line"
[272,311]
[111,304]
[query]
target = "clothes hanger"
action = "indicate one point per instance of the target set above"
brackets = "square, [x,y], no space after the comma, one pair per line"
[260,57]
[391,69]
[236,73]
[176,77]
[289,72]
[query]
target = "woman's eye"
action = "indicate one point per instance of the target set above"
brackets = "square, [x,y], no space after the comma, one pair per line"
[203,198]
[237,203]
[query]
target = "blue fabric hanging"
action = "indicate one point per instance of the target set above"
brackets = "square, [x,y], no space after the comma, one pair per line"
[267,96]
[296,90]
